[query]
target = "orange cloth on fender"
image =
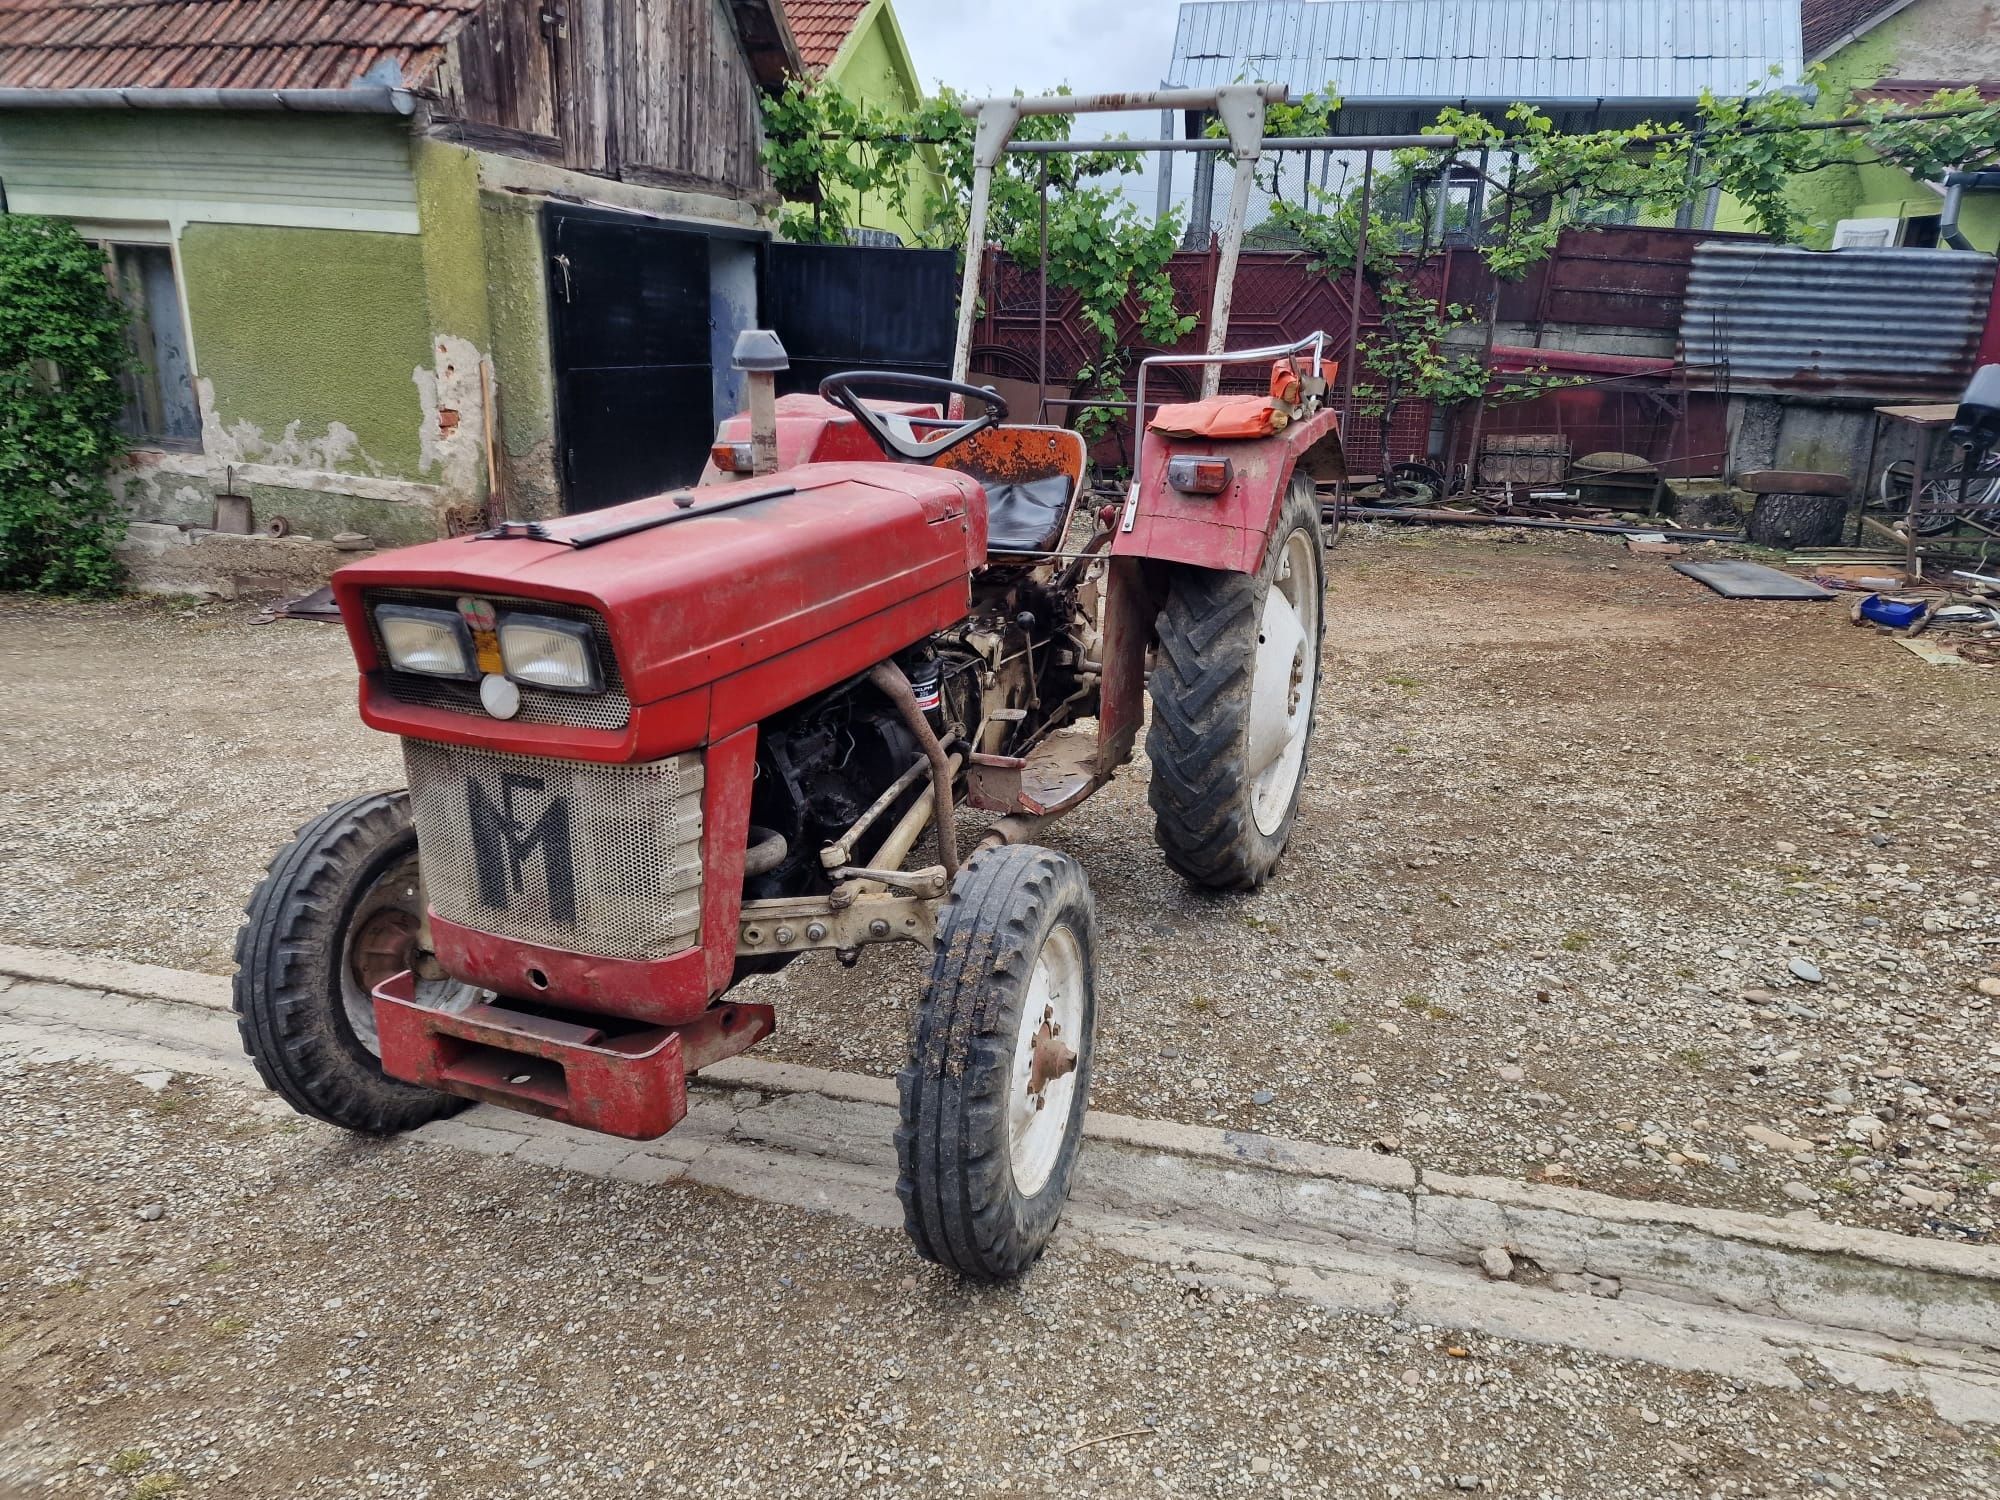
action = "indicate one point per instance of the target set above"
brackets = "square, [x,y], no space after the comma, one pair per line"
[1221,417]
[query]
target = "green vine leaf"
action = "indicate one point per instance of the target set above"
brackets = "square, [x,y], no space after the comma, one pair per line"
[62,349]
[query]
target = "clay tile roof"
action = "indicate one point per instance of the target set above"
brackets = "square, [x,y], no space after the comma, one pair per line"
[820,26]
[225,44]
[1825,22]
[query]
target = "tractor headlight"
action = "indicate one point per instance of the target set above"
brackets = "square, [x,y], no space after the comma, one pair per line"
[434,642]
[543,652]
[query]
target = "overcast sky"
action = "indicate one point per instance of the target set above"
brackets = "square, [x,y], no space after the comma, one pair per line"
[983,47]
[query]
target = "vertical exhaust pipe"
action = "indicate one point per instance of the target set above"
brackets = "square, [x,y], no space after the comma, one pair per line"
[759,355]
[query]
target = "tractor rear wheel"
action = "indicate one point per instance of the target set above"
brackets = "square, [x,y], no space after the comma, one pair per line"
[339,910]
[992,1099]
[1233,689]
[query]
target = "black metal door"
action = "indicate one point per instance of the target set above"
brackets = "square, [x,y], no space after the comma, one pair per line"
[628,326]
[850,307]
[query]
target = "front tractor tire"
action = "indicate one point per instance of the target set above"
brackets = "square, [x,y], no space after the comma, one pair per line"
[993,1096]
[338,911]
[1234,684]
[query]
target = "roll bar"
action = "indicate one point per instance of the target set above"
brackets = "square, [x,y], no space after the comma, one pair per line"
[1241,108]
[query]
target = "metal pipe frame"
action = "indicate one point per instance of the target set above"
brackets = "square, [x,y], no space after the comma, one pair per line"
[1316,341]
[1117,104]
[838,853]
[1241,109]
[1273,143]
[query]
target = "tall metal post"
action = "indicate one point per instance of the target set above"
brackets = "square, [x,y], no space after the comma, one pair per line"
[993,124]
[1492,322]
[1042,305]
[1242,112]
[1201,205]
[1347,360]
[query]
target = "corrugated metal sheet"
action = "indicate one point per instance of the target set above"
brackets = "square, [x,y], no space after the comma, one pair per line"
[1449,50]
[1887,325]
[58,44]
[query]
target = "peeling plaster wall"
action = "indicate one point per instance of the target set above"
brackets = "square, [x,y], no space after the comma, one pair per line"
[358,378]
[324,382]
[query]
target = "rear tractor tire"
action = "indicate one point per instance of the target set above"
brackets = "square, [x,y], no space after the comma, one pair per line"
[1234,685]
[992,1099]
[338,911]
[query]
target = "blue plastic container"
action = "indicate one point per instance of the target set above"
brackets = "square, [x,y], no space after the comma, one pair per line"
[1897,614]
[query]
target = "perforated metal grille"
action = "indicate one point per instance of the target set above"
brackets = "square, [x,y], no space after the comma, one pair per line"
[588,858]
[611,709]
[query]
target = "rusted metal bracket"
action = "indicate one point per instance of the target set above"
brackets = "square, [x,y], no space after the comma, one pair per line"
[801,924]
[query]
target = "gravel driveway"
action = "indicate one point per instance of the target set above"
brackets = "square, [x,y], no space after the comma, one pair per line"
[1600,880]
[201,1294]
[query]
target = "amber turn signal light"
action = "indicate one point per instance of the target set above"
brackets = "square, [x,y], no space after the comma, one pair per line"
[731,458]
[1199,476]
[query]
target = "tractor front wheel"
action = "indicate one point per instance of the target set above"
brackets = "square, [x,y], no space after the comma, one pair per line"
[993,1096]
[339,910]
[1233,689]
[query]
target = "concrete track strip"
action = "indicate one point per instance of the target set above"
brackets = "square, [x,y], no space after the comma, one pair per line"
[1698,1289]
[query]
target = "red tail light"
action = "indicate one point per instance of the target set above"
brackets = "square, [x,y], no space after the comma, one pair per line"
[1199,476]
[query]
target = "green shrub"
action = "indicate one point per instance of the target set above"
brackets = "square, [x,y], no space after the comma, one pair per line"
[62,349]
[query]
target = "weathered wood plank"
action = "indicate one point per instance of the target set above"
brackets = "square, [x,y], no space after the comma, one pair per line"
[661,87]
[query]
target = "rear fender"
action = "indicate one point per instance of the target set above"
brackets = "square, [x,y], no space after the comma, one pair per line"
[1229,531]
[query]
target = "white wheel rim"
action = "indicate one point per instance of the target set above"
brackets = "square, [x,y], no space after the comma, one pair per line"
[1284,682]
[359,1003]
[1038,1123]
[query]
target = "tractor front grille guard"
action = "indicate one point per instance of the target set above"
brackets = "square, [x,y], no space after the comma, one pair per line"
[583,857]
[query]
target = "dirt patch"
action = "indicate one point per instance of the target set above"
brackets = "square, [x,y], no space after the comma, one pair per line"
[1574,830]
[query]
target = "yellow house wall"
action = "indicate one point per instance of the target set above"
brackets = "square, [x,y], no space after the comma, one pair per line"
[872,68]
[1947,39]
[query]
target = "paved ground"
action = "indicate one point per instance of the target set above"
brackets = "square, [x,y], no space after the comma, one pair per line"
[1577,837]
[202,1294]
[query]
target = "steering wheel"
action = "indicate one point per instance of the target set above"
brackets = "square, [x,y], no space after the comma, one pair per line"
[896,434]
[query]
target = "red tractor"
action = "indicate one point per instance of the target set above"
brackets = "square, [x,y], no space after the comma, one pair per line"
[657,749]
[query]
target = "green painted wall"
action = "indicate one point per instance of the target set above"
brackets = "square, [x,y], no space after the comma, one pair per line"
[874,66]
[453,238]
[1930,39]
[297,330]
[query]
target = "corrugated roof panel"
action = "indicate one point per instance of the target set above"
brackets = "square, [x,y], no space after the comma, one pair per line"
[1885,325]
[1489,49]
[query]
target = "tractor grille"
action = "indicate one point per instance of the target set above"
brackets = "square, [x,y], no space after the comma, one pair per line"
[610,709]
[597,859]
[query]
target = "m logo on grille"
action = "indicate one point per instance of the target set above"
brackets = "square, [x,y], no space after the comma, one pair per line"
[504,840]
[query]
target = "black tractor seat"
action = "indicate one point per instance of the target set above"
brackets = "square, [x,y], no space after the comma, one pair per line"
[1031,476]
[1027,515]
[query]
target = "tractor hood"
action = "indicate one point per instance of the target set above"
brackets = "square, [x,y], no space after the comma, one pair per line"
[721,603]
